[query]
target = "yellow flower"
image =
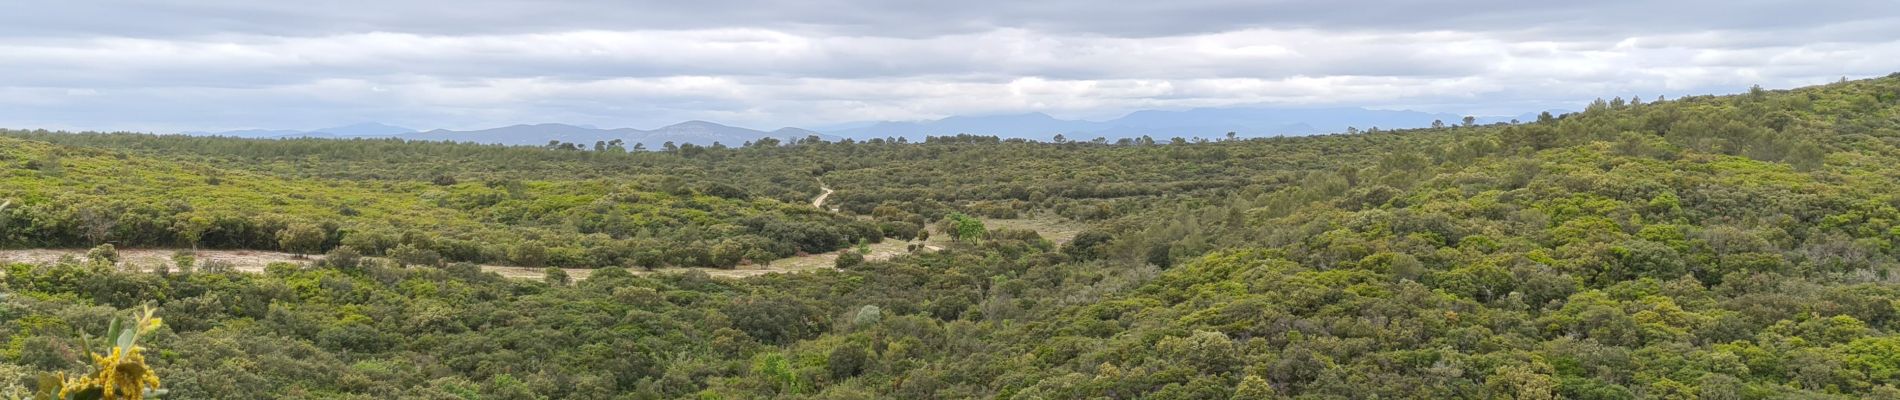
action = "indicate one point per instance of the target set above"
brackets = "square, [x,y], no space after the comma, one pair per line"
[125,374]
[120,375]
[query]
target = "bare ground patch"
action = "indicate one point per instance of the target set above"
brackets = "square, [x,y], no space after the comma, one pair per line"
[254,261]
[1055,229]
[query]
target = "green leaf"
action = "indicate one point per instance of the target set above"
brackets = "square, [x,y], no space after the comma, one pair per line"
[126,337]
[89,394]
[112,330]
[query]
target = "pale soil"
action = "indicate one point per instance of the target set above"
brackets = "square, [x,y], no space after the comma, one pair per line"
[1052,228]
[148,259]
[819,202]
[251,261]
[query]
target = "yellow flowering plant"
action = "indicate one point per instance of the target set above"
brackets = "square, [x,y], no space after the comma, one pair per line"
[117,373]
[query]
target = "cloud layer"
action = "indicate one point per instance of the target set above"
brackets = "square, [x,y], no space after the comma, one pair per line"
[161,66]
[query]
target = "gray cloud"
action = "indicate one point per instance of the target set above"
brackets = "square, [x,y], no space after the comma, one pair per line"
[916,17]
[174,65]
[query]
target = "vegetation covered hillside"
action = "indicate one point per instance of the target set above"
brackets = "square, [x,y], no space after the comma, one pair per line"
[1731,247]
[81,197]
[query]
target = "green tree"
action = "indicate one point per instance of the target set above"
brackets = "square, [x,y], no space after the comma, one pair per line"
[848,259]
[302,238]
[103,254]
[407,254]
[962,227]
[343,258]
[529,254]
[847,360]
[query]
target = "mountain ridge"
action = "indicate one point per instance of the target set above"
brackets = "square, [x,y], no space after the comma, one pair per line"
[1193,122]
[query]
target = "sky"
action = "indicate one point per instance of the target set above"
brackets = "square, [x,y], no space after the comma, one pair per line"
[172,65]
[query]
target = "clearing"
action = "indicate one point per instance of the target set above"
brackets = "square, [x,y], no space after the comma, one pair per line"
[819,202]
[253,261]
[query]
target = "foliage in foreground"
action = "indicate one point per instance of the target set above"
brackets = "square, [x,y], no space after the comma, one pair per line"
[119,373]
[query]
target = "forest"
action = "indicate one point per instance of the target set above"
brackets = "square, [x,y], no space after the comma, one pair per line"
[1738,246]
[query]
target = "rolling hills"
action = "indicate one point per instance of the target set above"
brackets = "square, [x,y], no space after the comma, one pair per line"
[1733,247]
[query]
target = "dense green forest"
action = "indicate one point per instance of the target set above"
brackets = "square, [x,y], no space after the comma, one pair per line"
[1711,247]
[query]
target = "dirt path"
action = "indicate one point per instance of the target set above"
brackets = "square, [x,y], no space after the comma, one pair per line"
[819,202]
[250,261]
[1051,227]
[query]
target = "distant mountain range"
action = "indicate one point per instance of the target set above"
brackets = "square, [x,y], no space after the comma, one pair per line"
[695,132]
[366,129]
[1199,122]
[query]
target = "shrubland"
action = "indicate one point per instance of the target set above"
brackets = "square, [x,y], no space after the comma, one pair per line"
[1716,247]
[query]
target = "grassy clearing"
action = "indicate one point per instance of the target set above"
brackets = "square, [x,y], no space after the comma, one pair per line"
[1055,229]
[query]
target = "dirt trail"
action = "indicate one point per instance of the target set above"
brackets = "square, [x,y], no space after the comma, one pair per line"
[253,261]
[250,261]
[819,202]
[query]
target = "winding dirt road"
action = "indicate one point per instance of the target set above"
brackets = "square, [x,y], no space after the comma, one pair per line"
[820,201]
[251,261]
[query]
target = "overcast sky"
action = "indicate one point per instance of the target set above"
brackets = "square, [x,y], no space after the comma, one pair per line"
[169,65]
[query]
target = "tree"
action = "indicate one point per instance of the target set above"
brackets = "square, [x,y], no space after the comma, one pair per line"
[1470,121]
[184,259]
[343,258]
[408,254]
[961,227]
[104,254]
[777,319]
[555,276]
[1522,382]
[848,360]
[867,316]
[1087,245]
[529,254]
[1253,387]
[1438,124]
[301,238]
[848,258]
[192,229]
[98,222]
[1206,351]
